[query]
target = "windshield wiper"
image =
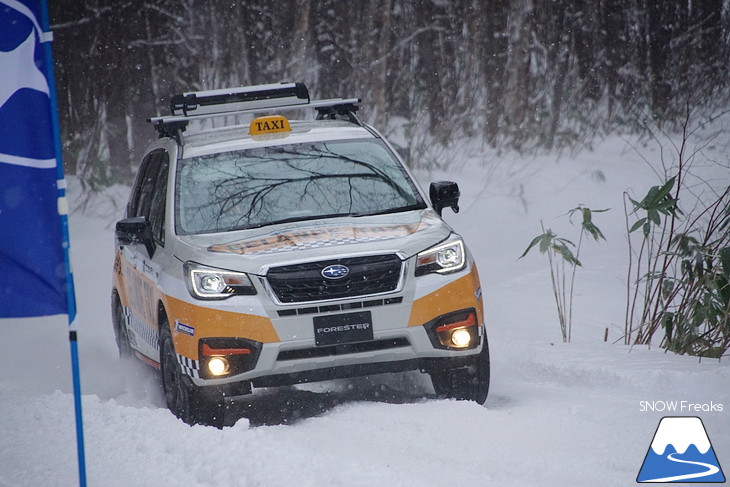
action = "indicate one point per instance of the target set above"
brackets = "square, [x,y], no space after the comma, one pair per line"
[415,206]
[297,219]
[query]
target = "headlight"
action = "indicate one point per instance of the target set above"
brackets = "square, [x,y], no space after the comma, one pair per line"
[444,258]
[209,283]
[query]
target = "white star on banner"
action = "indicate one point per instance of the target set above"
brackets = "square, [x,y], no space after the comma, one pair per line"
[20,70]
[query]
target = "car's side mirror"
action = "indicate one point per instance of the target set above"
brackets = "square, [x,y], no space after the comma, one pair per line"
[444,194]
[135,231]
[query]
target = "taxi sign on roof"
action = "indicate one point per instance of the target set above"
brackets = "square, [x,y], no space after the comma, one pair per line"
[269,125]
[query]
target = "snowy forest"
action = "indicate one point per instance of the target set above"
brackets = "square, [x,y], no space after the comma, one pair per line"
[524,75]
[605,123]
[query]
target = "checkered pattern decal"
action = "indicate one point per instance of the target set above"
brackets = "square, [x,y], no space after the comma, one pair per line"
[127,317]
[140,330]
[189,366]
[126,314]
[322,243]
[319,238]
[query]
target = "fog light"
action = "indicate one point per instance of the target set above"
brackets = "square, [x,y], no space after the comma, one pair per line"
[461,337]
[458,331]
[218,365]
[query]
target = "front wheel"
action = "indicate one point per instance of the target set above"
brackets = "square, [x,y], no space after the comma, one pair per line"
[184,399]
[468,383]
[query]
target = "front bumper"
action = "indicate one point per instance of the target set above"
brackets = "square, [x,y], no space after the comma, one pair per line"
[396,351]
[356,365]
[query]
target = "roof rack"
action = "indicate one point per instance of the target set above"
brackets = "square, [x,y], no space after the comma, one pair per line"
[237,99]
[248,99]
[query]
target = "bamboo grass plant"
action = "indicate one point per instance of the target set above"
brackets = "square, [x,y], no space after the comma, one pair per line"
[678,281]
[560,255]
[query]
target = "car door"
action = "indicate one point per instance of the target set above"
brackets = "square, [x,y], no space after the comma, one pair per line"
[140,270]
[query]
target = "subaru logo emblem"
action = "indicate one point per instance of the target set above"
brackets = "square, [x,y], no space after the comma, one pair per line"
[335,271]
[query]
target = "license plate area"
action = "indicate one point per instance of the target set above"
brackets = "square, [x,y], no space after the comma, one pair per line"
[343,328]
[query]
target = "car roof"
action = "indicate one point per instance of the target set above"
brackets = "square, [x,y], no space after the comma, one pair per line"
[236,137]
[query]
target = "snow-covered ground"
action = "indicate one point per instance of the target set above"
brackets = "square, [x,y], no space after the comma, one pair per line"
[557,414]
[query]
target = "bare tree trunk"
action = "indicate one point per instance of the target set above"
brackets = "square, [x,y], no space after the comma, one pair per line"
[302,41]
[516,100]
[659,40]
[614,22]
[381,82]
[494,45]
[584,35]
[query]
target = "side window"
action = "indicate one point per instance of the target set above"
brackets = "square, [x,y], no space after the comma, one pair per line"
[159,197]
[138,182]
[147,186]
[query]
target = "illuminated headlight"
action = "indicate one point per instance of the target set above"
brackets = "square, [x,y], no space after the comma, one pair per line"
[218,366]
[209,283]
[444,258]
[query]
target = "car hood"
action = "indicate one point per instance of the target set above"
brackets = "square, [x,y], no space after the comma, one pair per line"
[255,250]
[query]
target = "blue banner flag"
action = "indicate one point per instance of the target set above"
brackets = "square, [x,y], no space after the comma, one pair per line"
[35,277]
[35,271]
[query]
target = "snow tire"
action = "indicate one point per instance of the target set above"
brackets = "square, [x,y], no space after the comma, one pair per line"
[469,383]
[185,400]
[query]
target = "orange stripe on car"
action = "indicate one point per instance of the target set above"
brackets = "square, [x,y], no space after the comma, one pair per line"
[209,322]
[459,294]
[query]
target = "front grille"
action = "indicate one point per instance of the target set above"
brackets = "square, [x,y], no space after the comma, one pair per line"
[371,303]
[368,275]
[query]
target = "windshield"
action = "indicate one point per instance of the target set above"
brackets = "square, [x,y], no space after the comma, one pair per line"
[262,186]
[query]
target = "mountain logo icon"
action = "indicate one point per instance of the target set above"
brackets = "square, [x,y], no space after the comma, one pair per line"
[680,452]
